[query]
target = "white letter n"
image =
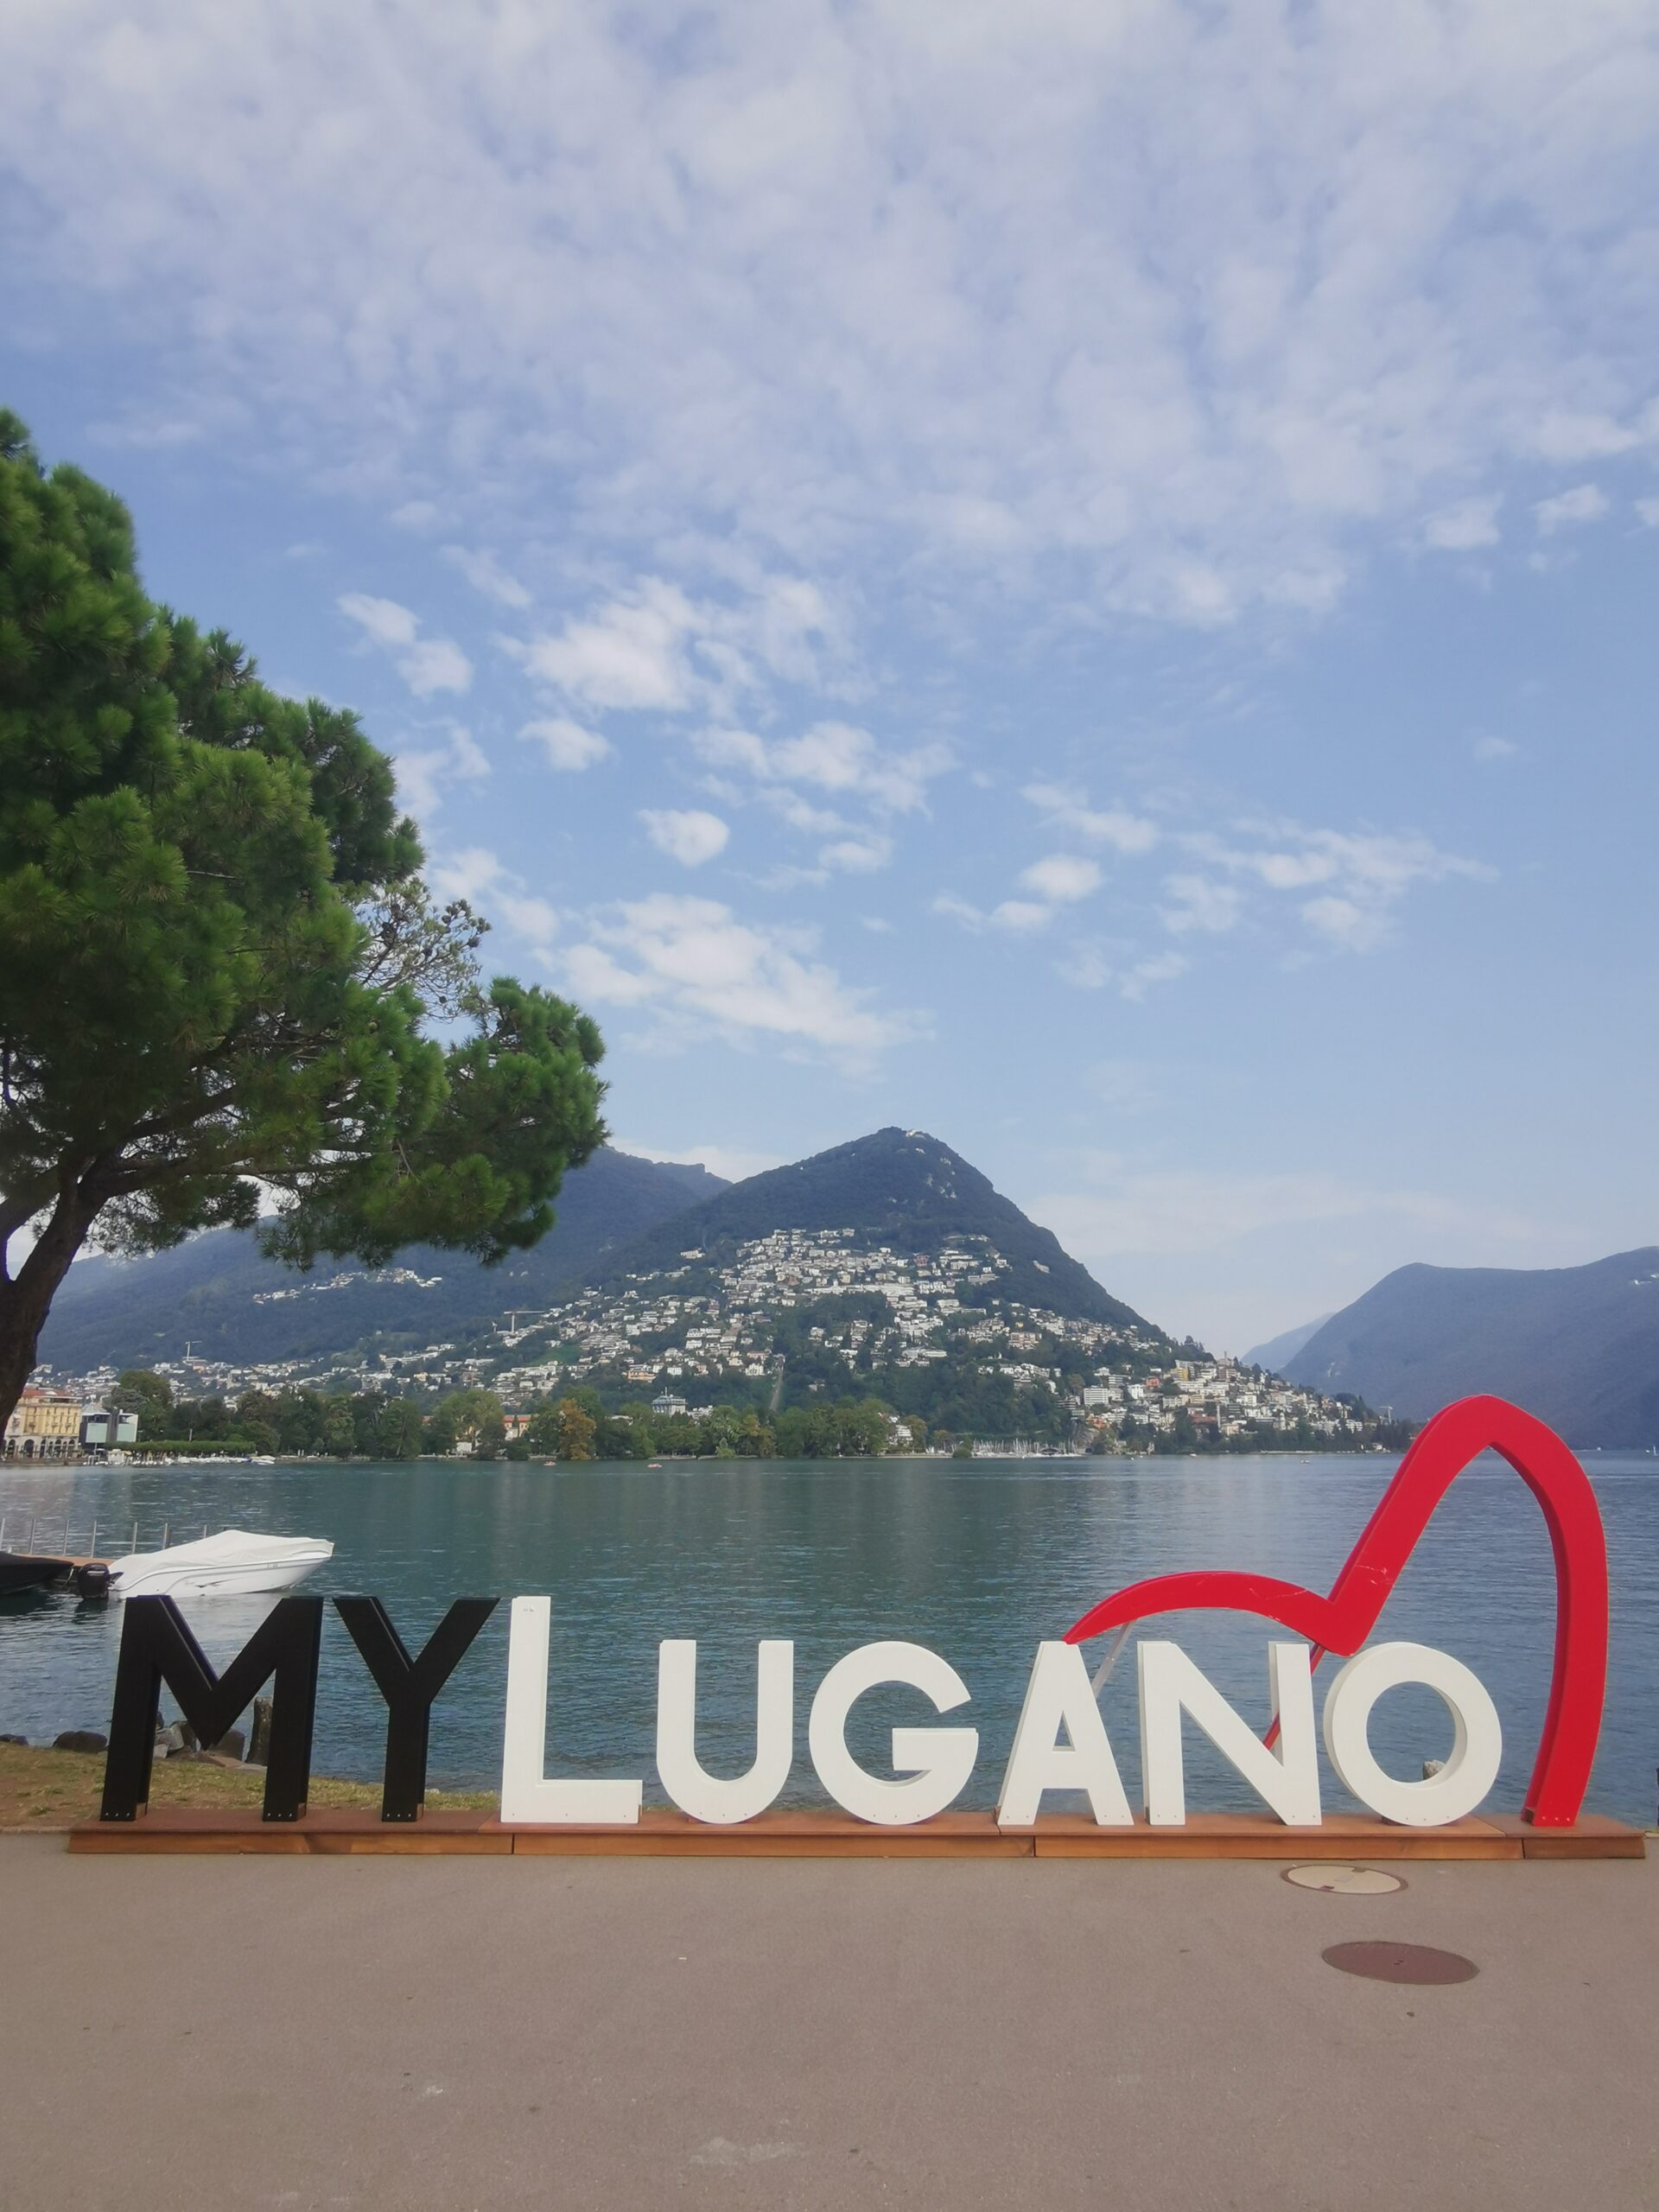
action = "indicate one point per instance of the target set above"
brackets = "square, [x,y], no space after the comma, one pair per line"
[1172,1685]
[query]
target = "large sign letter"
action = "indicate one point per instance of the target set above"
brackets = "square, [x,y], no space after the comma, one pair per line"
[1172,1685]
[938,1760]
[692,1787]
[409,1686]
[157,1647]
[1058,1696]
[1477,1739]
[528,1799]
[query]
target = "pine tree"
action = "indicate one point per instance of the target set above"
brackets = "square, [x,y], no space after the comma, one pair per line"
[220,964]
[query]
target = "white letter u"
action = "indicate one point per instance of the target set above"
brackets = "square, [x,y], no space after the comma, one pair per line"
[693,1790]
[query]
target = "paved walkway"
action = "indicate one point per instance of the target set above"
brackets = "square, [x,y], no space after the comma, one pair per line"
[1031,2036]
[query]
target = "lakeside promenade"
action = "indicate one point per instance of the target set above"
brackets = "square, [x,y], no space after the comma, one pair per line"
[434,2034]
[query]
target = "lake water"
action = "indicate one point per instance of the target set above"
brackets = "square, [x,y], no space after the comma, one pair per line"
[979,1560]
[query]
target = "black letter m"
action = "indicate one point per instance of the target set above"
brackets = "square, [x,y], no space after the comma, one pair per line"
[157,1647]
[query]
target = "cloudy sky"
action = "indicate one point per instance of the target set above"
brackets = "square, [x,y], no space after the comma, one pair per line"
[1080,576]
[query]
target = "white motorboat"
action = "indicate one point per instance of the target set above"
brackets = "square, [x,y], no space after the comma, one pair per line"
[232,1564]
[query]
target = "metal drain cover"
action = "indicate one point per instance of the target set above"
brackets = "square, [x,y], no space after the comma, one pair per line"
[1344,1881]
[1412,1963]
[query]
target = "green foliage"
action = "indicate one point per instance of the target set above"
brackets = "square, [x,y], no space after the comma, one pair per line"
[400,1429]
[577,1431]
[472,1417]
[855,1429]
[151,1396]
[198,1418]
[339,1430]
[221,961]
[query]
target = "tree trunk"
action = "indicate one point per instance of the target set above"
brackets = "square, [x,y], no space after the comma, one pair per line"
[26,1297]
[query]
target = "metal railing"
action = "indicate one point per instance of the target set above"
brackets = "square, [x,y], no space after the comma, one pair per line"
[36,1529]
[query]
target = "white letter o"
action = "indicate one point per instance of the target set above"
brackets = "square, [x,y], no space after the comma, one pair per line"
[1477,1739]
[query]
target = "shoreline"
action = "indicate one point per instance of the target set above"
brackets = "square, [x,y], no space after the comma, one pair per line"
[139,1464]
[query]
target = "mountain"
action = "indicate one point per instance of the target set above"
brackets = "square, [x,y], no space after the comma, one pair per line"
[1577,1346]
[217,1293]
[886,1269]
[897,1187]
[1277,1349]
[889,1268]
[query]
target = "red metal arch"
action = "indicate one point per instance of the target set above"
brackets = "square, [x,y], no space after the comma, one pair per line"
[1342,1621]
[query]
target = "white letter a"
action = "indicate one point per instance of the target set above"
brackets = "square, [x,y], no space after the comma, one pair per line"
[1058,1696]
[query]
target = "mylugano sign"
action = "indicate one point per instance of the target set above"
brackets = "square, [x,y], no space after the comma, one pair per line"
[1061,1741]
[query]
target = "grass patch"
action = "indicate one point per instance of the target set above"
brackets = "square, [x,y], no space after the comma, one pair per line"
[42,1791]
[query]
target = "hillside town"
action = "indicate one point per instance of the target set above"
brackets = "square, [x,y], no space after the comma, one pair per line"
[824,1315]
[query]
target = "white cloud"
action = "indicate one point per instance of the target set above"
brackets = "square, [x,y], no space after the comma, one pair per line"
[426,664]
[382,620]
[1361,879]
[1647,513]
[436,664]
[1066,807]
[1585,503]
[832,756]
[425,771]
[837,759]
[1463,527]
[1061,877]
[1199,904]
[478,876]
[1345,923]
[1362,876]
[485,574]
[1020,914]
[1125,833]
[654,649]
[858,856]
[690,837]
[631,656]
[1493,749]
[1094,968]
[1021,917]
[701,969]
[570,748]
[1566,435]
[1158,968]
[1188,299]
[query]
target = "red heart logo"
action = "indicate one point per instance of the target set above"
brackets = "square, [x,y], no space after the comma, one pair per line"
[1342,1621]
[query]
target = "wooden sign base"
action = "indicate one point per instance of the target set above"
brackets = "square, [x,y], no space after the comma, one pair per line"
[833,1835]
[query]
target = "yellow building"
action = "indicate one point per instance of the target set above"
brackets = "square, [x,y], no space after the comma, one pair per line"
[44,1425]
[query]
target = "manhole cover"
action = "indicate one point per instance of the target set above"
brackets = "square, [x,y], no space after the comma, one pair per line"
[1344,1881]
[1413,1962]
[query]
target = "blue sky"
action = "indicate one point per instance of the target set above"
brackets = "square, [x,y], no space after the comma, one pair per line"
[1081,577]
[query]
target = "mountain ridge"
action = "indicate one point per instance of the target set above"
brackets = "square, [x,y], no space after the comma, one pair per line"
[1273,1352]
[849,1185]
[218,1292]
[1577,1346]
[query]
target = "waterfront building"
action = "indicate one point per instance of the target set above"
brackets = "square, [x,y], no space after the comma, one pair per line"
[44,1425]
